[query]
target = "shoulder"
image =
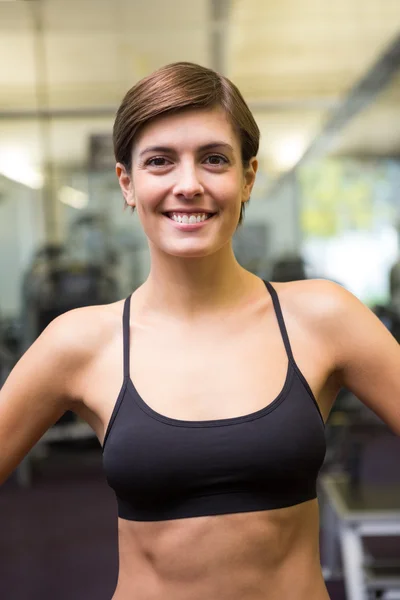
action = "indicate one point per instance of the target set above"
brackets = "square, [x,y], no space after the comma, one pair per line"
[80,327]
[321,294]
[317,301]
[45,375]
[365,355]
[328,312]
[74,338]
[344,324]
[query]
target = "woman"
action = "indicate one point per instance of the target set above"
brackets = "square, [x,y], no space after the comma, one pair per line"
[208,388]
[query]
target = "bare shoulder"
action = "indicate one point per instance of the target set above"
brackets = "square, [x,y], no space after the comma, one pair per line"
[317,298]
[40,388]
[58,357]
[82,329]
[317,304]
[77,335]
[366,356]
[324,311]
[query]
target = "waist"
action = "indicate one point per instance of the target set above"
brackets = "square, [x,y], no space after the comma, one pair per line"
[249,556]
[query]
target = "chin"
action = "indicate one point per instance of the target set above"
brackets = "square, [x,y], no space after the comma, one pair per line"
[190,252]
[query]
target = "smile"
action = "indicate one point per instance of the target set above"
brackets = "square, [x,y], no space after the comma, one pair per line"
[180,217]
[189,221]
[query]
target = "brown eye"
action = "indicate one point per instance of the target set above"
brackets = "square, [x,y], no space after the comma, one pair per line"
[157,161]
[217,160]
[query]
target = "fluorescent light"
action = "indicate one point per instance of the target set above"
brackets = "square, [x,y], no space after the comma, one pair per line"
[288,151]
[15,165]
[72,197]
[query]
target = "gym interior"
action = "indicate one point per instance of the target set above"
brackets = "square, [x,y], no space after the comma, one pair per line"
[323,82]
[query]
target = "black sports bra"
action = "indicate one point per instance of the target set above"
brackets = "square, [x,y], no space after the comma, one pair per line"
[162,468]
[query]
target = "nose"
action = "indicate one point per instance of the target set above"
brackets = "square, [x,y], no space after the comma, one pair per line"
[188,183]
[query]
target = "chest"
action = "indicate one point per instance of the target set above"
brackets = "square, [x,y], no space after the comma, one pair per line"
[229,368]
[218,372]
[236,439]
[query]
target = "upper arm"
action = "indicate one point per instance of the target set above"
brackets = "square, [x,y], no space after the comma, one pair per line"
[366,355]
[36,393]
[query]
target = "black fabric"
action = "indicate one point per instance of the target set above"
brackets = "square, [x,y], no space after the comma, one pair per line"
[162,468]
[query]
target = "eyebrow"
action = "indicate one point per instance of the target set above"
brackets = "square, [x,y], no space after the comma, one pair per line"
[203,148]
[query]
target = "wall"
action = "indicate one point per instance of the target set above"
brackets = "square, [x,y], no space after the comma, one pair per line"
[21,231]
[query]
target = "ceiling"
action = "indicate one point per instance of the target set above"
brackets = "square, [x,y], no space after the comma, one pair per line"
[295,61]
[376,130]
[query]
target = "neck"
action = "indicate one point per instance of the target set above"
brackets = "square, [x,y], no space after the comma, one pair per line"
[190,287]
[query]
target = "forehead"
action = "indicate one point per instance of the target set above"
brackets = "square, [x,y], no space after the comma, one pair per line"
[189,127]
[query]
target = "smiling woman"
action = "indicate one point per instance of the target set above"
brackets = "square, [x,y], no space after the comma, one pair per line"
[207,387]
[187,167]
[179,87]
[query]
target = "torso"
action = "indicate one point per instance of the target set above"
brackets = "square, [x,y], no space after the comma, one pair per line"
[189,373]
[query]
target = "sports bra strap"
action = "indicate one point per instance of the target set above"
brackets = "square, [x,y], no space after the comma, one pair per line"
[278,312]
[279,315]
[125,329]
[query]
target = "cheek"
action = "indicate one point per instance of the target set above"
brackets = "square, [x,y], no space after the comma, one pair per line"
[228,190]
[148,191]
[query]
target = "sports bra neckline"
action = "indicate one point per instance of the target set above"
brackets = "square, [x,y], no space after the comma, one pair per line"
[129,389]
[291,368]
[214,422]
[162,468]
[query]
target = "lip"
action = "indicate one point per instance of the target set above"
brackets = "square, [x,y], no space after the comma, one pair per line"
[189,211]
[188,226]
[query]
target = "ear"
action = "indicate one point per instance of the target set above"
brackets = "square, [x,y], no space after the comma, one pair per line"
[249,178]
[126,184]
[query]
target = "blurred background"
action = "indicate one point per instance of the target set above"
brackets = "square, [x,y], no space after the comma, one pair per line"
[323,82]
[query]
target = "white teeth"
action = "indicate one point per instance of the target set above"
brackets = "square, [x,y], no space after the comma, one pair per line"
[189,219]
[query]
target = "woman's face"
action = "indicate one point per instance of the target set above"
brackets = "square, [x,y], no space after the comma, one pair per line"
[187,182]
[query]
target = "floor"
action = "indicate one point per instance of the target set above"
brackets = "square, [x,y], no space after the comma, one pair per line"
[59,537]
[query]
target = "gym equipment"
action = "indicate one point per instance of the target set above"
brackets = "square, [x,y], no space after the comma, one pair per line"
[349,517]
[361,502]
[390,314]
[61,278]
[290,267]
[9,346]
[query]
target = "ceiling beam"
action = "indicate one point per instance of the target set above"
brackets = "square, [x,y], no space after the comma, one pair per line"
[64,112]
[359,97]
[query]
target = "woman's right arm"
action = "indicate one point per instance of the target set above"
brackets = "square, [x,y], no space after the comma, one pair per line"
[36,393]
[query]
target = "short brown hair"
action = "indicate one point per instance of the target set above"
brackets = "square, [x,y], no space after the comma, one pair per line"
[176,87]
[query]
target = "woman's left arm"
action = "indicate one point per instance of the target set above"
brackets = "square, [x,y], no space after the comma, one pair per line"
[367,356]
